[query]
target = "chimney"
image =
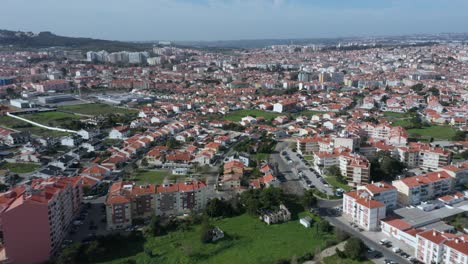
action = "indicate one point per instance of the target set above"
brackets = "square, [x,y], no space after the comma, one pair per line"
[457,241]
[434,233]
[439,175]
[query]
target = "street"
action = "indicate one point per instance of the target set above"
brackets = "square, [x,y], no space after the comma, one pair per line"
[294,183]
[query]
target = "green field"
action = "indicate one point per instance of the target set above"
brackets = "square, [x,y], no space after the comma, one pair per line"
[19,167]
[436,132]
[154,176]
[247,240]
[309,113]
[51,118]
[399,119]
[96,109]
[335,183]
[236,116]
[261,156]
[9,122]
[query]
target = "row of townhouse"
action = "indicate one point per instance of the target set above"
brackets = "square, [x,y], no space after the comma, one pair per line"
[127,201]
[35,219]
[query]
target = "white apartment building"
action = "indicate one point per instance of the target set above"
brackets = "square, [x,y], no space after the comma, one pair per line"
[382,192]
[360,208]
[424,156]
[438,247]
[417,189]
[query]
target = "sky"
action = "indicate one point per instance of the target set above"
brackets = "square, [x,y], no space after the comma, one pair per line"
[141,20]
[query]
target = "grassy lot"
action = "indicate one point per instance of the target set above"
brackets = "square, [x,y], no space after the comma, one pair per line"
[399,119]
[309,157]
[436,132]
[309,113]
[337,260]
[236,116]
[19,167]
[335,183]
[16,124]
[96,109]
[247,241]
[394,115]
[154,176]
[261,156]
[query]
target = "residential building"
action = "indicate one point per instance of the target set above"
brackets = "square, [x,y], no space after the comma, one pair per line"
[383,192]
[127,201]
[417,189]
[362,210]
[37,219]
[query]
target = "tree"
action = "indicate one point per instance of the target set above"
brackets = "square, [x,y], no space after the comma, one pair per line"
[309,200]
[93,250]
[341,235]
[334,171]
[70,254]
[324,226]
[206,231]
[217,208]
[459,136]
[144,162]
[417,87]
[155,228]
[270,198]
[355,249]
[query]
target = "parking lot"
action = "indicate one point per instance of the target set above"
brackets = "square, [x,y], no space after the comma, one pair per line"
[309,177]
[90,223]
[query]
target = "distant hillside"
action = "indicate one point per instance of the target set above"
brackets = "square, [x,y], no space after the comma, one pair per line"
[48,39]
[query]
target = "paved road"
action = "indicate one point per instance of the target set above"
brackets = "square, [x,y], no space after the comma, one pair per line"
[388,254]
[290,171]
[292,183]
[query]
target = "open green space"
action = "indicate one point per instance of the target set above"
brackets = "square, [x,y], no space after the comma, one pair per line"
[309,113]
[309,157]
[261,156]
[96,109]
[10,122]
[19,167]
[436,132]
[236,116]
[247,240]
[333,181]
[154,176]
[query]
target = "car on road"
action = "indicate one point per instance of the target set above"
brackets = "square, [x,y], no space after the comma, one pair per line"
[396,250]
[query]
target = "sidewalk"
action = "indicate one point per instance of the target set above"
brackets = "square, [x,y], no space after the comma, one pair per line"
[328,252]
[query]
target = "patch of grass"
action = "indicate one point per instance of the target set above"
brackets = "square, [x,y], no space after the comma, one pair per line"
[394,115]
[337,184]
[96,109]
[309,113]
[236,116]
[261,156]
[20,167]
[154,176]
[248,240]
[436,132]
[55,119]
[337,260]
[309,157]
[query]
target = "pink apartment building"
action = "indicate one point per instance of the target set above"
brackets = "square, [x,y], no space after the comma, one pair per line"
[35,219]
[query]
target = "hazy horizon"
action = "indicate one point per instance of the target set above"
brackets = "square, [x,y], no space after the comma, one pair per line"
[219,20]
